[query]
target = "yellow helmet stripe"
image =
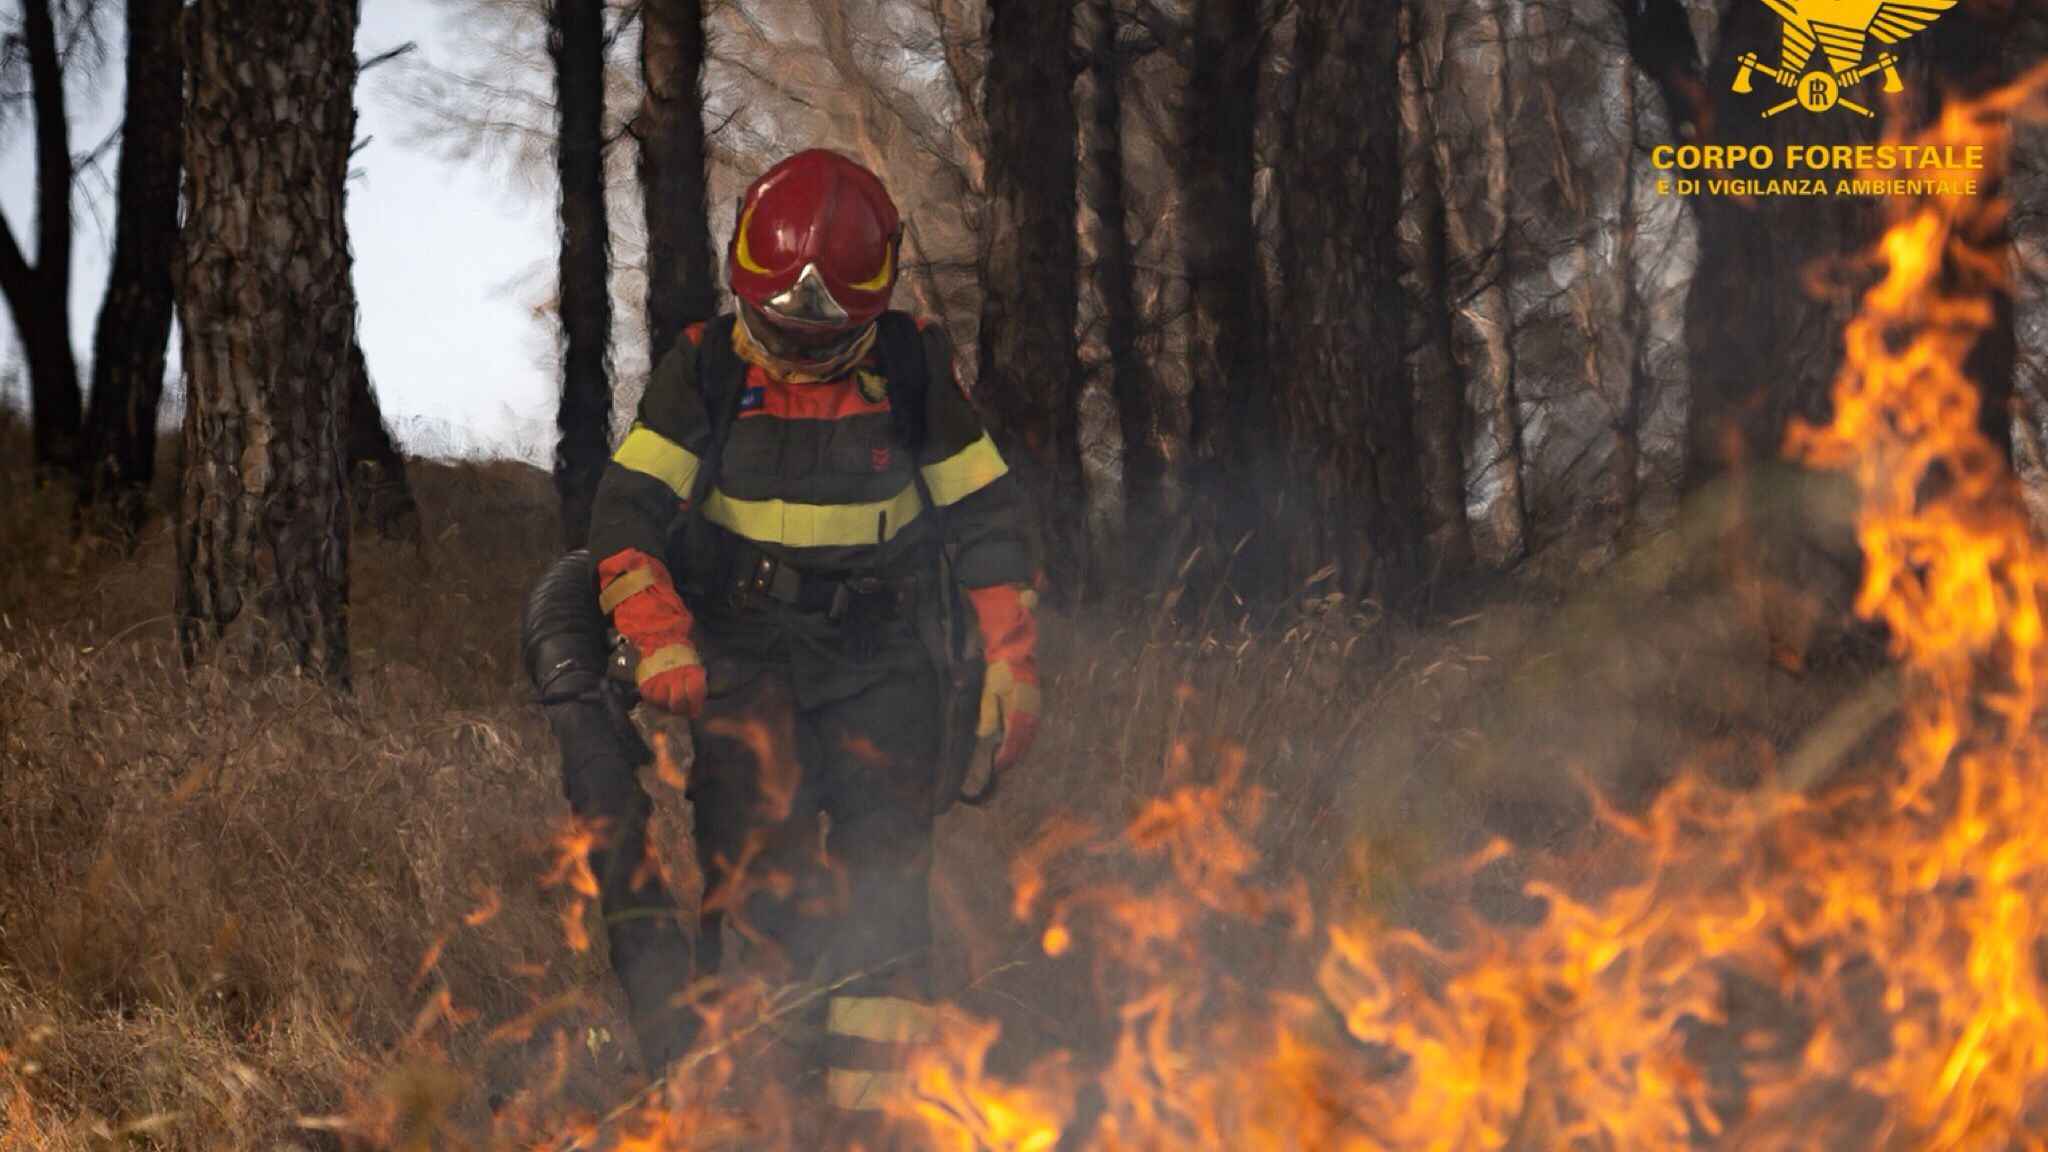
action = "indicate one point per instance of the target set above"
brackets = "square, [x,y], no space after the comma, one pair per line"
[881,279]
[741,253]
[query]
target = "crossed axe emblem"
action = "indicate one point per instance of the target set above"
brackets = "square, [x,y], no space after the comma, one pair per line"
[1820,91]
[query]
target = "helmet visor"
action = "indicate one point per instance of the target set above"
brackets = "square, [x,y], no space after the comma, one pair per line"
[804,348]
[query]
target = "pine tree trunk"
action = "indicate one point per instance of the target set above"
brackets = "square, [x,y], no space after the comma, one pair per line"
[1761,345]
[1634,323]
[118,456]
[576,43]
[1483,230]
[1030,372]
[1232,474]
[1347,412]
[39,295]
[267,310]
[1441,422]
[377,485]
[682,281]
[1131,384]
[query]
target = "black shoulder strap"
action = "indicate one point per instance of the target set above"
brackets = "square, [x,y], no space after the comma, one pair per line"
[721,377]
[909,374]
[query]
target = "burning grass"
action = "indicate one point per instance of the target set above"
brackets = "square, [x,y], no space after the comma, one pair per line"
[268,915]
[1335,888]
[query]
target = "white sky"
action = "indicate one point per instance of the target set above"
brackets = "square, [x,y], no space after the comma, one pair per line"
[451,259]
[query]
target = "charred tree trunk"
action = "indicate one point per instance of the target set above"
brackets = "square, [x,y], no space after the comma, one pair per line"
[576,43]
[1114,272]
[1769,294]
[1634,322]
[1767,299]
[1965,57]
[117,457]
[1346,411]
[39,294]
[1230,430]
[378,489]
[267,310]
[682,282]
[1439,386]
[1030,372]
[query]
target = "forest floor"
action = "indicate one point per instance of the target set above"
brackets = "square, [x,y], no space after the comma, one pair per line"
[230,911]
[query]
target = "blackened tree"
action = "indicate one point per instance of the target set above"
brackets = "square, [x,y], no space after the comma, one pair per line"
[1030,373]
[117,456]
[682,283]
[576,39]
[1346,410]
[39,294]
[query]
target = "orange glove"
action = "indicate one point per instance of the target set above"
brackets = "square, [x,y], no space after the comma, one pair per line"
[641,599]
[1010,699]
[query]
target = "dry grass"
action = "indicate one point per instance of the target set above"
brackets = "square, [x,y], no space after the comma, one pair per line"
[218,895]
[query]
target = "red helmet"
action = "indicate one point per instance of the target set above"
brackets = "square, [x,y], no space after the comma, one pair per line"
[814,251]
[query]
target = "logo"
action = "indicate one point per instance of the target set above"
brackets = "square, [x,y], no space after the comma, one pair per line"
[873,388]
[1840,30]
[880,457]
[752,398]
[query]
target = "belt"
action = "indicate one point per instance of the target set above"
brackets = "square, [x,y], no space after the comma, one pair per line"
[757,576]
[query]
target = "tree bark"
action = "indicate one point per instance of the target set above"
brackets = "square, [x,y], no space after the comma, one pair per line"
[1114,272]
[1030,372]
[1346,410]
[682,279]
[267,309]
[1768,298]
[39,294]
[1441,422]
[378,489]
[576,43]
[1483,237]
[117,457]
[1232,472]
[1635,326]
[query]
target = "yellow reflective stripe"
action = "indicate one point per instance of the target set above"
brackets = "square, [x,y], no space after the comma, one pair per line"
[814,525]
[965,472]
[622,589]
[663,660]
[883,1019]
[864,1091]
[651,454]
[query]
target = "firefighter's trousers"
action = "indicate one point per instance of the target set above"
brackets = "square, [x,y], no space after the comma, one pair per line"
[812,788]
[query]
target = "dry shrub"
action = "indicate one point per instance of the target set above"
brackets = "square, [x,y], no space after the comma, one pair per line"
[218,895]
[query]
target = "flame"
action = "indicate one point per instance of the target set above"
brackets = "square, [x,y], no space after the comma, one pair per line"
[1761,969]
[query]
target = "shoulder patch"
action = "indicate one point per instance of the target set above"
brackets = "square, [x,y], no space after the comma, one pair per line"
[873,387]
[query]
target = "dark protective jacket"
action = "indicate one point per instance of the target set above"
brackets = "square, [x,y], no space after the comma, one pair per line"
[820,475]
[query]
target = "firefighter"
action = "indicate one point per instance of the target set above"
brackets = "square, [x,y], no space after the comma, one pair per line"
[804,488]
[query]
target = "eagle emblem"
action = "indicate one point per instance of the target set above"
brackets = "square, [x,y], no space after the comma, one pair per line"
[1838,31]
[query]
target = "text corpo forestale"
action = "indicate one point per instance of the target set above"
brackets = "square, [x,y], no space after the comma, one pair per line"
[1816,157]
